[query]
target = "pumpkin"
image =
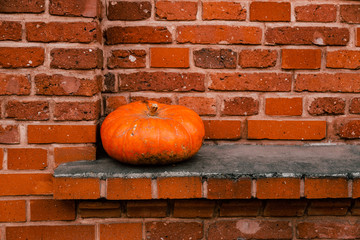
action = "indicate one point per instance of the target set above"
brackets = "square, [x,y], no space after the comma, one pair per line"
[147,132]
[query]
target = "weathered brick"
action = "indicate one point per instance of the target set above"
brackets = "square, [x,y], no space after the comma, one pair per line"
[218,34]
[75,8]
[12,211]
[61,85]
[283,106]
[10,31]
[78,59]
[270,11]
[109,83]
[301,58]
[324,82]
[12,84]
[278,188]
[162,81]
[357,37]
[245,228]
[76,188]
[355,106]
[240,208]
[142,34]
[27,110]
[9,134]
[349,129]
[257,58]
[128,11]
[223,11]
[222,129]
[179,187]
[201,105]
[77,111]
[22,6]
[21,57]
[343,59]
[240,106]
[71,154]
[286,130]
[327,106]
[99,209]
[221,188]
[27,158]
[147,209]
[350,13]
[52,210]
[215,58]
[61,133]
[174,230]
[128,188]
[169,57]
[121,231]
[356,188]
[263,82]
[26,184]
[164,100]
[113,102]
[1,157]
[307,36]
[81,32]
[127,59]
[328,229]
[329,207]
[199,208]
[326,188]
[316,13]
[177,10]
[285,208]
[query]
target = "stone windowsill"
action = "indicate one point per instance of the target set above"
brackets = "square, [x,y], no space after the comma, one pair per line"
[221,172]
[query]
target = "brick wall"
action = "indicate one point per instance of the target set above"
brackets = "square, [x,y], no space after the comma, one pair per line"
[258,72]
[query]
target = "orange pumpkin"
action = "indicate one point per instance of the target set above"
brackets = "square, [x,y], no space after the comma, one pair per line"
[147,132]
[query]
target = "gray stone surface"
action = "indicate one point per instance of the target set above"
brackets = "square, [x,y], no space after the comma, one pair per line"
[234,161]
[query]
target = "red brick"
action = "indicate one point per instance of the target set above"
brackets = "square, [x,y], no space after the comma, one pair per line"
[12,211]
[219,188]
[142,34]
[263,82]
[9,134]
[219,34]
[21,57]
[283,106]
[22,6]
[169,57]
[128,11]
[357,37]
[355,210]
[77,111]
[61,133]
[52,210]
[222,129]
[76,188]
[14,84]
[328,229]
[27,110]
[316,13]
[329,207]
[350,13]
[278,188]
[127,59]
[215,58]
[343,59]
[355,106]
[356,188]
[326,188]
[327,106]
[285,208]
[99,209]
[60,85]
[147,209]
[27,158]
[194,208]
[128,188]
[78,59]
[81,32]
[75,8]
[26,184]
[250,229]
[257,58]
[349,129]
[324,82]
[178,10]
[307,36]
[179,187]
[270,11]
[240,106]
[71,154]
[109,82]
[223,11]
[286,130]
[301,59]
[162,82]
[240,208]
[201,105]
[1,157]
[51,232]
[113,102]
[121,231]
[10,31]
[174,230]
[164,100]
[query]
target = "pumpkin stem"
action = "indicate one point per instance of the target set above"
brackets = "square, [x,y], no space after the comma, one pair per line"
[153,109]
